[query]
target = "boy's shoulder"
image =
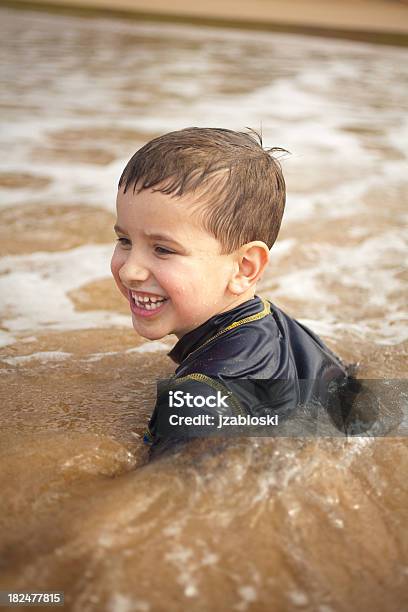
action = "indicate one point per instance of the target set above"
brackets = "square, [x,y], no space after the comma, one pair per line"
[256,340]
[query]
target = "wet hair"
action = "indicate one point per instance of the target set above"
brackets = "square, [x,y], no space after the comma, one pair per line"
[238,186]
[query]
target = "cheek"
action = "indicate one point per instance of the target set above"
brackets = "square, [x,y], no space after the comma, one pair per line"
[190,289]
[117,262]
[193,285]
[177,283]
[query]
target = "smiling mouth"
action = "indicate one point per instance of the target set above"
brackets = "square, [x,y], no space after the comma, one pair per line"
[146,303]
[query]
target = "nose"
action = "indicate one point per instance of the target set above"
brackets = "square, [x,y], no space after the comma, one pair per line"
[133,270]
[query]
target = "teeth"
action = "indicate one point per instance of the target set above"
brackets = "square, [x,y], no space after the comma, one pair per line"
[151,306]
[148,303]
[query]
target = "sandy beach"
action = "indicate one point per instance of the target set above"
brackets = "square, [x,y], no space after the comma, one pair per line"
[360,19]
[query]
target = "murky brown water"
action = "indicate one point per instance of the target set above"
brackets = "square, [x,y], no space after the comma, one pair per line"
[256,524]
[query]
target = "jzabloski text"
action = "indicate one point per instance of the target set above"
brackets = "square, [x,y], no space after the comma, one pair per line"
[208,420]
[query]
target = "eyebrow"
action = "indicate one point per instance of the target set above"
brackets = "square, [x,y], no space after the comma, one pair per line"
[155,236]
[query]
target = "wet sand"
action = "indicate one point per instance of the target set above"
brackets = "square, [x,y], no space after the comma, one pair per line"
[360,15]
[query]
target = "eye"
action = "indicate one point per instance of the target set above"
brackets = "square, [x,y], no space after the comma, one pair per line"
[163,251]
[123,241]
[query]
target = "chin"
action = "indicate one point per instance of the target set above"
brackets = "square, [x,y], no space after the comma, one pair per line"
[148,335]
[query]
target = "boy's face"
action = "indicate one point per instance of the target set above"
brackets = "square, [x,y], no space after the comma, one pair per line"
[162,252]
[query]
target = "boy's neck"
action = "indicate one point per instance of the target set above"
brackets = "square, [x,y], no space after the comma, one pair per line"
[241,299]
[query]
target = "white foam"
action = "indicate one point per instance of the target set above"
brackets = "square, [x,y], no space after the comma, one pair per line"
[359,266]
[147,347]
[311,95]
[118,602]
[248,593]
[298,598]
[150,347]
[34,289]
[42,357]
[6,338]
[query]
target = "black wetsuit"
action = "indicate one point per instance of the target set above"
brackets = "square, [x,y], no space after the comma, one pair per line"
[264,360]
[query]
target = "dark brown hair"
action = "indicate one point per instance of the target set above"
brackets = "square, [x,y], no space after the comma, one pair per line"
[238,186]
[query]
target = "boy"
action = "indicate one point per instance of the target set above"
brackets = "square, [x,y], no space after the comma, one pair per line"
[197,212]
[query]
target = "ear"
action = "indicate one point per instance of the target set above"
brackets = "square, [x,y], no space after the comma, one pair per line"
[250,262]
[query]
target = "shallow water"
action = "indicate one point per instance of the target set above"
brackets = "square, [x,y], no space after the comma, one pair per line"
[285,524]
